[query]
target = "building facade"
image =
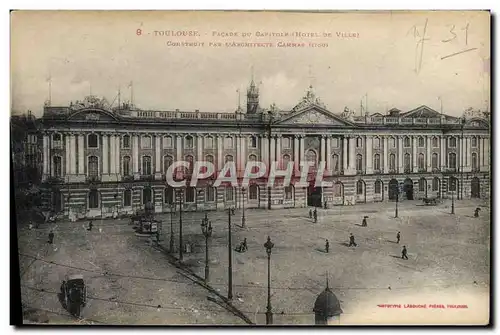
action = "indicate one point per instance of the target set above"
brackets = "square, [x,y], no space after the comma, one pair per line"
[98,160]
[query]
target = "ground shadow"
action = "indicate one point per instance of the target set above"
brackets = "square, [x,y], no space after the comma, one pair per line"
[391,241]
[345,244]
[399,257]
[321,250]
[360,225]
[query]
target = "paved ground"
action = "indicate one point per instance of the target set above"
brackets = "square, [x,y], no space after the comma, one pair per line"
[448,255]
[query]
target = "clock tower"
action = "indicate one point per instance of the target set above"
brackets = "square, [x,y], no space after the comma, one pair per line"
[252,98]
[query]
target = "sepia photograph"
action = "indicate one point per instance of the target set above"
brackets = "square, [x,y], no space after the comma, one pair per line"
[251,168]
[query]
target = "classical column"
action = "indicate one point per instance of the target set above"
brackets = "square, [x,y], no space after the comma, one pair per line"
[352,156]
[67,150]
[484,154]
[321,156]
[272,157]
[265,148]
[118,156]
[463,153]
[468,155]
[296,158]
[112,154]
[199,147]
[414,153]
[135,153]
[105,154]
[238,154]
[443,152]
[220,162]
[81,156]
[243,152]
[345,151]
[73,154]
[369,154]
[278,150]
[400,154]
[328,153]
[158,156]
[302,148]
[178,147]
[428,158]
[386,154]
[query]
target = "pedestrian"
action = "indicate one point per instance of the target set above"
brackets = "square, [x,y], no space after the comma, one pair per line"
[398,236]
[476,212]
[327,246]
[351,241]
[404,253]
[310,214]
[364,222]
[315,214]
[90,226]
[325,205]
[51,237]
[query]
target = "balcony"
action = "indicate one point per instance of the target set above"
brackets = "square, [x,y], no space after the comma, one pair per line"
[128,178]
[93,178]
[436,170]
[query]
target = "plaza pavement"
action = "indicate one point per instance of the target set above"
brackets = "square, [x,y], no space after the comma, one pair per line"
[448,254]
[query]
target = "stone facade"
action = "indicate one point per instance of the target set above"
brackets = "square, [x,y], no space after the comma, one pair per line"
[98,160]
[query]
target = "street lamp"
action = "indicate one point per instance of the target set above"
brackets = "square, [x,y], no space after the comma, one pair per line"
[243,219]
[179,196]
[206,228]
[269,314]
[230,253]
[397,201]
[452,200]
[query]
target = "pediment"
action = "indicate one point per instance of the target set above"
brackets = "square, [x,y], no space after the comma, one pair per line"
[314,115]
[93,115]
[422,112]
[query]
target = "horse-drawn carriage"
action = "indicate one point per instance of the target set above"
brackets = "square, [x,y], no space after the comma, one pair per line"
[430,201]
[74,294]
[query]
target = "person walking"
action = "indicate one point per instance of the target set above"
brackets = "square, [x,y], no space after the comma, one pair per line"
[476,212]
[327,246]
[404,253]
[51,237]
[364,223]
[310,214]
[351,241]
[90,226]
[398,237]
[315,214]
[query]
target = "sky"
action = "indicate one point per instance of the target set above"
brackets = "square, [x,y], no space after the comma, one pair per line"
[386,60]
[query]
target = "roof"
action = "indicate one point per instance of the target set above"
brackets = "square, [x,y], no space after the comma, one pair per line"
[327,304]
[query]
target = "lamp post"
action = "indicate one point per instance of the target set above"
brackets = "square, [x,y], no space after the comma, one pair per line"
[230,255]
[269,314]
[243,219]
[452,202]
[397,201]
[179,196]
[206,228]
[172,210]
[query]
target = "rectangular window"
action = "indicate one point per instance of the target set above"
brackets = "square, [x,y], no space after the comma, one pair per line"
[209,142]
[229,194]
[435,142]
[167,141]
[474,142]
[335,142]
[190,194]
[146,142]
[126,142]
[210,194]
[288,193]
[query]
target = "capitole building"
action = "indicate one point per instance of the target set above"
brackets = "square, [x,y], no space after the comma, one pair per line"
[99,161]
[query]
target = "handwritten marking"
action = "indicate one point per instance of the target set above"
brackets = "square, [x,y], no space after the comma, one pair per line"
[421,44]
[458,53]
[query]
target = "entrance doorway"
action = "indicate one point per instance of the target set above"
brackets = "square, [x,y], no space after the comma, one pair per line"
[314,195]
[393,189]
[408,188]
[475,188]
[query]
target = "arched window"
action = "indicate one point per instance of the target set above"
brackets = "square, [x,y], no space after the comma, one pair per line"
[289,192]
[228,143]
[210,195]
[93,166]
[392,162]
[452,160]
[190,194]
[421,161]
[376,142]
[146,165]
[229,193]
[127,198]
[126,165]
[421,142]
[406,142]
[359,162]
[190,160]
[209,158]
[253,142]
[167,141]
[338,189]
[167,162]
[407,162]
[360,187]
[57,166]
[286,142]
[378,187]
[422,183]
[93,199]
[435,160]
[286,160]
[228,158]
[376,162]
[209,142]
[146,142]
[473,142]
[311,157]
[126,142]
[435,142]
[147,195]
[392,142]
[92,141]
[168,195]
[253,192]
[435,184]
[253,158]
[474,161]
[359,142]
[335,163]
[188,144]
[452,142]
